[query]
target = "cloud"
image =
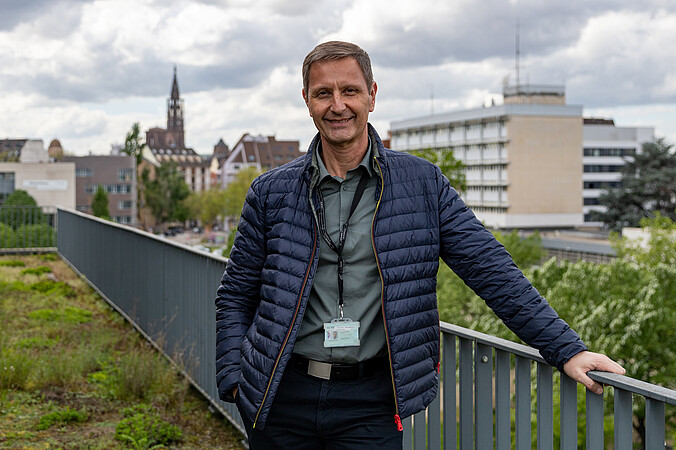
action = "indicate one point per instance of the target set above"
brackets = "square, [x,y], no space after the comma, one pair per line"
[100,64]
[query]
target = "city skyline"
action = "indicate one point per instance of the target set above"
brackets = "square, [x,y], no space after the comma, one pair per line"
[84,71]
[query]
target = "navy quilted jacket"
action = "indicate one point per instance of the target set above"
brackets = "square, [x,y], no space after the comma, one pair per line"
[419,218]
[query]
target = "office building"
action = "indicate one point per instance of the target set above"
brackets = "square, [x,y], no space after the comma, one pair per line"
[523,159]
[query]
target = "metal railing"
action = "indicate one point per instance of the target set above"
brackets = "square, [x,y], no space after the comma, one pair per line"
[27,229]
[491,411]
[167,290]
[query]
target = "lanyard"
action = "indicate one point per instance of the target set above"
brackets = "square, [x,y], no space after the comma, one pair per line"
[338,249]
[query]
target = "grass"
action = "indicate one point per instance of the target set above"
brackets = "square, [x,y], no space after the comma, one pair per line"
[74,374]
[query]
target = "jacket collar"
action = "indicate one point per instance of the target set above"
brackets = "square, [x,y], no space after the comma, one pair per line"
[377,150]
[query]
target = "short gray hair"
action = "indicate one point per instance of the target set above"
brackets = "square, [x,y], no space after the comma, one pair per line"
[332,51]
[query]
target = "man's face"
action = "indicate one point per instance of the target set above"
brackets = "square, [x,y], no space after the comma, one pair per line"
[339,101]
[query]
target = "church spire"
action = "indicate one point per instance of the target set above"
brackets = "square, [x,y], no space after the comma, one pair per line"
[175,115]
[174,87]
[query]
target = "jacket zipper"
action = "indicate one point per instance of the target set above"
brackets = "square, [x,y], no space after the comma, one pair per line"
[397,419]
[288,333]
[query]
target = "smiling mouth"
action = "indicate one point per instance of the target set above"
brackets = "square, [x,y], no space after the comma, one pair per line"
[339,121]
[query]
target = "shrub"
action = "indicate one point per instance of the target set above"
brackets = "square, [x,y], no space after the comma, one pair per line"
[54,287]
[14,369]
[36,342]
[39,235]
[36,270]
[62,416]
[20,208]
[70,314]
[7,236]
[11,262]
[142,427]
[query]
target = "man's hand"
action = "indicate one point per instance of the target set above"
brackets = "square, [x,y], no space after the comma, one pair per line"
[578,366]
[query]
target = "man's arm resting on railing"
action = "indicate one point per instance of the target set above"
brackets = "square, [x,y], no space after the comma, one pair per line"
[583,362]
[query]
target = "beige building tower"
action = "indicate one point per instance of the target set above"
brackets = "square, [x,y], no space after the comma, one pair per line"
[523,158]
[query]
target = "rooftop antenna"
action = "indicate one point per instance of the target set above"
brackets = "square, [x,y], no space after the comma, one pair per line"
[431,99]
[518,53]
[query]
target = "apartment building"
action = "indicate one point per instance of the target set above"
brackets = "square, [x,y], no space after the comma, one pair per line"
[25,164]
[606,149]
[260,152]
[523,158]
[116,174]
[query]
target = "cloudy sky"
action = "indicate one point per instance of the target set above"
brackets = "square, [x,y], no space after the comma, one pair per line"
[84,71]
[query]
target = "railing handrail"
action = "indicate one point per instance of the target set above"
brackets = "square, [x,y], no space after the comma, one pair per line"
[633,385]
[493,341]
[143,233]
[648,390]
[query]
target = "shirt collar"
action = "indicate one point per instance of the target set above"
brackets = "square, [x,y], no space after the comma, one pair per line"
[323,172]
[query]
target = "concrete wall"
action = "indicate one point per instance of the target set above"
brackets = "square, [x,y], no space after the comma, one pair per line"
[51,184]
[545,165]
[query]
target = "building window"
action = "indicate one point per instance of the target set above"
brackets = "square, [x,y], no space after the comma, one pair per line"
[125,174]
[602,168]
[602,184]
[82,173]
[588,201]
[609,152]
[125,204]
[109,188]
[122,219]
[6,185]
[251,158]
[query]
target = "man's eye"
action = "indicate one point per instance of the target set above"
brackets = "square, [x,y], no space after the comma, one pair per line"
[350,91]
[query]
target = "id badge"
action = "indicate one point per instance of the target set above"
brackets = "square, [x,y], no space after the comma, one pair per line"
[341,333]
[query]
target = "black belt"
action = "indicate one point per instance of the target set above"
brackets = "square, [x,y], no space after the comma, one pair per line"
[339,371]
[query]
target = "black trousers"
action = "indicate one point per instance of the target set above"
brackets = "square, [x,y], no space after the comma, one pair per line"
[312,413]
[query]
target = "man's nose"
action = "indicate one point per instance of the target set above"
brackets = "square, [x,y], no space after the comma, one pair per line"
[337,105]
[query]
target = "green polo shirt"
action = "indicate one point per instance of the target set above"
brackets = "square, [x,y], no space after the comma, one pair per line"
[361,285]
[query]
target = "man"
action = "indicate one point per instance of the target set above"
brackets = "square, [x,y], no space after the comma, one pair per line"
[327,321]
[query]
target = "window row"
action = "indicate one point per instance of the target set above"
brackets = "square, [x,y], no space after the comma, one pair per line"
[109,188]
[609,151]
[602,168]
[602,184]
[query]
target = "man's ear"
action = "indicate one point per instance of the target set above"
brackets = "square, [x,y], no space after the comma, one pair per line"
[305,100]
[372,94]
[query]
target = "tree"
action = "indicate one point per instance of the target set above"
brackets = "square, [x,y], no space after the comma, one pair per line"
[452,168]
[100,203]
[20,208]
[235,193]
[133,146]
[206,206]
[648,187]
[165,194]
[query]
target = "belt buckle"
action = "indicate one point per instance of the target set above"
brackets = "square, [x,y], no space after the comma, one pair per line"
[319,369]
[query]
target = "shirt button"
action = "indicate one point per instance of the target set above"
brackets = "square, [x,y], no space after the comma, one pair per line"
[345,188]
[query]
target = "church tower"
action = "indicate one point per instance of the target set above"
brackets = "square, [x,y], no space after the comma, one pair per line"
[175,116]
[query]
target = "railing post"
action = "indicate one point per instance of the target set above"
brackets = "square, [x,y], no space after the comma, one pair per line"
[568,401]
[545,405]
[466,385]
[448,387]
[434,423]
[623,417]
[594,421]
[522,374]
[654,424]
[419,430]
[483,394]
[407,441]
[502,400]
